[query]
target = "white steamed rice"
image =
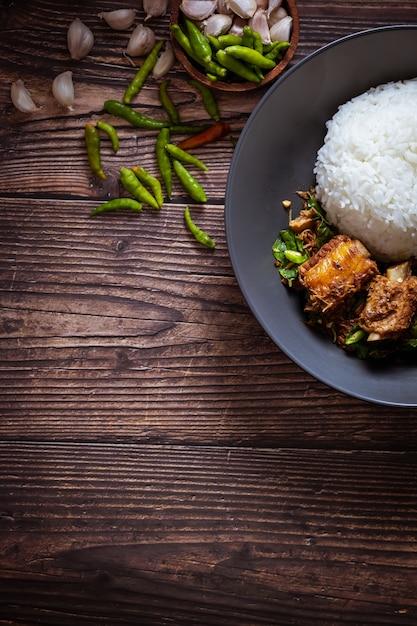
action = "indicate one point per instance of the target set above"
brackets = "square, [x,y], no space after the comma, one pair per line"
[366,170]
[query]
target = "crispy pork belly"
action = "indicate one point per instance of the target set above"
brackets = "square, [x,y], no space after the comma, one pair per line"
[389,308]
[341,268]
[306,219]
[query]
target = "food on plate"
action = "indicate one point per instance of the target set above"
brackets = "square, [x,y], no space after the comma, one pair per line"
[366,170]
[352,250]
[366,306]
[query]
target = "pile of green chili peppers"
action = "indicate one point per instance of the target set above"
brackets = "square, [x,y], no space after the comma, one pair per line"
[229,57]
[143,187]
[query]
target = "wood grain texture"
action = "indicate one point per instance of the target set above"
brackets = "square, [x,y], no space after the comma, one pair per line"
[161,460]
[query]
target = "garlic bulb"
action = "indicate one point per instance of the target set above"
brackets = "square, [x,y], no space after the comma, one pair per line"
[120,19]
[154,8]
[198,10]
[80,39]
[141,41]
[243,8]
[63,89]
[164,62]
[217,24]
[21,97]
[281,31]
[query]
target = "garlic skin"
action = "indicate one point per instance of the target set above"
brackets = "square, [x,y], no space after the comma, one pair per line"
[217,24]
[141,41]
[80,39]
[154,8]
[198,10]
[243,8]
[63,90]
[164,62]
[281,31]
[21,98]
[120,19]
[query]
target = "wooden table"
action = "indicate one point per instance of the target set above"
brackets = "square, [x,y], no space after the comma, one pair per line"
[162,462]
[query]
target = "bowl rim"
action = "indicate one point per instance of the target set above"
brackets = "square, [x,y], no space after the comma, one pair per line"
[238,87]
[232,248]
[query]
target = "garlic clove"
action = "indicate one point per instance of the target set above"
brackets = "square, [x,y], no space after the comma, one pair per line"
[21,97]
[243,8]
[217,24]
[80,39]
[223,8]
[262,4]
[120,19]
[259,23]
[154,8]
[63,89]
[281,31]
[141,41]
[198,10]
[276,15]
[237,26]
[273,5]
[164,62]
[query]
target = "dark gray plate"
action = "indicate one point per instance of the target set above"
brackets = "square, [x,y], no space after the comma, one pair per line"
[274,158]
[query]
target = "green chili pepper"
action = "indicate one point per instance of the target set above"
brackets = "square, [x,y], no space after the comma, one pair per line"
[253,57]
[116,204]
[133,185]
[150,181]
[183,41]
[214,42]
[207,96]
[111,132]
[190,184]
[278,50]
[188,129]
[247,37]
[229,40]
[184,156]
[167,103]
[133,117]
[237,67]
[200,235]
[199,43]
[142,73]
[92,142]
[257,42]
[163,159]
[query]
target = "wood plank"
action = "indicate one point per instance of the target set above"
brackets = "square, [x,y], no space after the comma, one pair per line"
[208,536]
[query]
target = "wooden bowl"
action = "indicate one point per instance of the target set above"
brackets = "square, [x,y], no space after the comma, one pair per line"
[195,71]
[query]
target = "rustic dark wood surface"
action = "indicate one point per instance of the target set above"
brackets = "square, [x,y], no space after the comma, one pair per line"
[162,462]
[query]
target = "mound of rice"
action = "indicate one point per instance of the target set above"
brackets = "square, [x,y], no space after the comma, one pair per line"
[366,170]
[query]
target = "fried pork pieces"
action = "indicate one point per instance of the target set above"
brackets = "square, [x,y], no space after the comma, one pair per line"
[336,277]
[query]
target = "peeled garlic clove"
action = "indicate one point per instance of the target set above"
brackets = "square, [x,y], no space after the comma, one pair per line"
[80,39]
[141,41]
[217,24]
[281,31]
[63,89]
[21,97]
[120,19]
[198,10]
[154,8]
[243,8]
[164,62]
[259,24]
